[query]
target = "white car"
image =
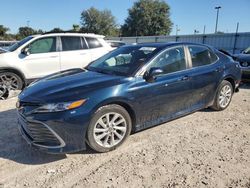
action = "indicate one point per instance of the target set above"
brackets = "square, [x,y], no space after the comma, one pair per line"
[40,55]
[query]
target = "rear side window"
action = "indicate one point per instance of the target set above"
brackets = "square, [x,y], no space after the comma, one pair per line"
[201,56]
[43,45]
[93,42]
[70,43]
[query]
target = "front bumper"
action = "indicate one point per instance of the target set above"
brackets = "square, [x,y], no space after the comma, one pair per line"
[56,135]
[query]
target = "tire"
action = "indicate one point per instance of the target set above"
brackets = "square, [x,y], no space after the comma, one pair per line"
[9,81]
[223,96]
[100,133]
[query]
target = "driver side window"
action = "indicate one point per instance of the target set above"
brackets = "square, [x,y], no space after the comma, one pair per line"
[43,45]
[171,60]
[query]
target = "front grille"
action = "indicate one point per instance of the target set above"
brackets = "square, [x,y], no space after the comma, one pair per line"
[38,133]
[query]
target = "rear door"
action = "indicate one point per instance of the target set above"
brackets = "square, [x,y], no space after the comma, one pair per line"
[205,74]
[97,49]
[74,52]
[43,58]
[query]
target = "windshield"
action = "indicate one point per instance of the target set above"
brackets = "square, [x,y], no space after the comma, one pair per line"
[18,44]
[123,61]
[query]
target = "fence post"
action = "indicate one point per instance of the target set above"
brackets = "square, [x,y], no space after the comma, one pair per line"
[156,39]
[235,37]
[203,39]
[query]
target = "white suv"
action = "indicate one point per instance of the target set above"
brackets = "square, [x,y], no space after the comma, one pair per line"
[39,55]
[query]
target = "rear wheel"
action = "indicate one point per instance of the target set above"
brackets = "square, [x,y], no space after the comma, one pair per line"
[109,128]
[223,96]
[9,82]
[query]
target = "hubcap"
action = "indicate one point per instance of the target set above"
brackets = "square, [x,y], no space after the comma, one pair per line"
[7,83]
[225,96]
[110,129]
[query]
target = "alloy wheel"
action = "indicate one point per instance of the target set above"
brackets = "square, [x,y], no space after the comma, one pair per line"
[110,129]
[225,96]
[8,82]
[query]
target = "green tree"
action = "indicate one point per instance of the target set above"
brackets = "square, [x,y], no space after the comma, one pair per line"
[25,31]
[98,22]
[76,28]
[39,31]
[56,30]
[148,17]
[3,30]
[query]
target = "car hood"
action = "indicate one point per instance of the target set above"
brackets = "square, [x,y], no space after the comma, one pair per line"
[242,57]
[68,85]
[2,51]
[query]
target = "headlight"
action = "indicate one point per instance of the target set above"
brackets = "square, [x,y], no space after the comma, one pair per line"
[244,64]
[58,107]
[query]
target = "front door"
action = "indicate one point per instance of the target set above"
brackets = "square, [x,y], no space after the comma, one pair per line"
[43,58]
[168,96]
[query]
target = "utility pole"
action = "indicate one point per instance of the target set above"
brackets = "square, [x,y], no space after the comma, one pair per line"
[204,30]
[217,17]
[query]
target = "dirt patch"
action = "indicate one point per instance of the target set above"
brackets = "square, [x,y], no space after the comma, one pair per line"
[204,149]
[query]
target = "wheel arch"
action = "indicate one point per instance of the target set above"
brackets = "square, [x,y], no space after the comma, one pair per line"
[17,72]
[231,79]
[123,103]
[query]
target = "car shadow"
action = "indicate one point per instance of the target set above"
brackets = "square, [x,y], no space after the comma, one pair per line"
[14,147]
[245,85]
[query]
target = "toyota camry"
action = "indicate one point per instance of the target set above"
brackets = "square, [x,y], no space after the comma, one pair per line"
[127,90]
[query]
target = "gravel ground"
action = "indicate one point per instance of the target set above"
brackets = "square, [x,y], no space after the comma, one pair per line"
[204,149]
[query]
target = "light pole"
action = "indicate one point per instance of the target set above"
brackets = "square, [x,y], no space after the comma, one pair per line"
[28,23]
[218,9]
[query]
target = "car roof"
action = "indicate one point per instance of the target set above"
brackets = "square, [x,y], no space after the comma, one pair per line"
[162,45]
[71,34]
[166,44]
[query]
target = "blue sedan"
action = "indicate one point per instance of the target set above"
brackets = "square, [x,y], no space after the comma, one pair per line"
[127,90]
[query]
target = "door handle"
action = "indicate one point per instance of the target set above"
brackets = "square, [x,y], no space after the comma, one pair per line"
[53,56]
[219,69]
[184,78]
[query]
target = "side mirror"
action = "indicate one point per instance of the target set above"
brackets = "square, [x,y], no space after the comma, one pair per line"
[151,75]
[26,51]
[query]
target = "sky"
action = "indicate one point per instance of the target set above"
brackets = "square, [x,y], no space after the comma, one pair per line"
[187,14]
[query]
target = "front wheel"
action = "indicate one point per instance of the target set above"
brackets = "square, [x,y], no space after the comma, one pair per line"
[109,128]
[9,81]
[223,96]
